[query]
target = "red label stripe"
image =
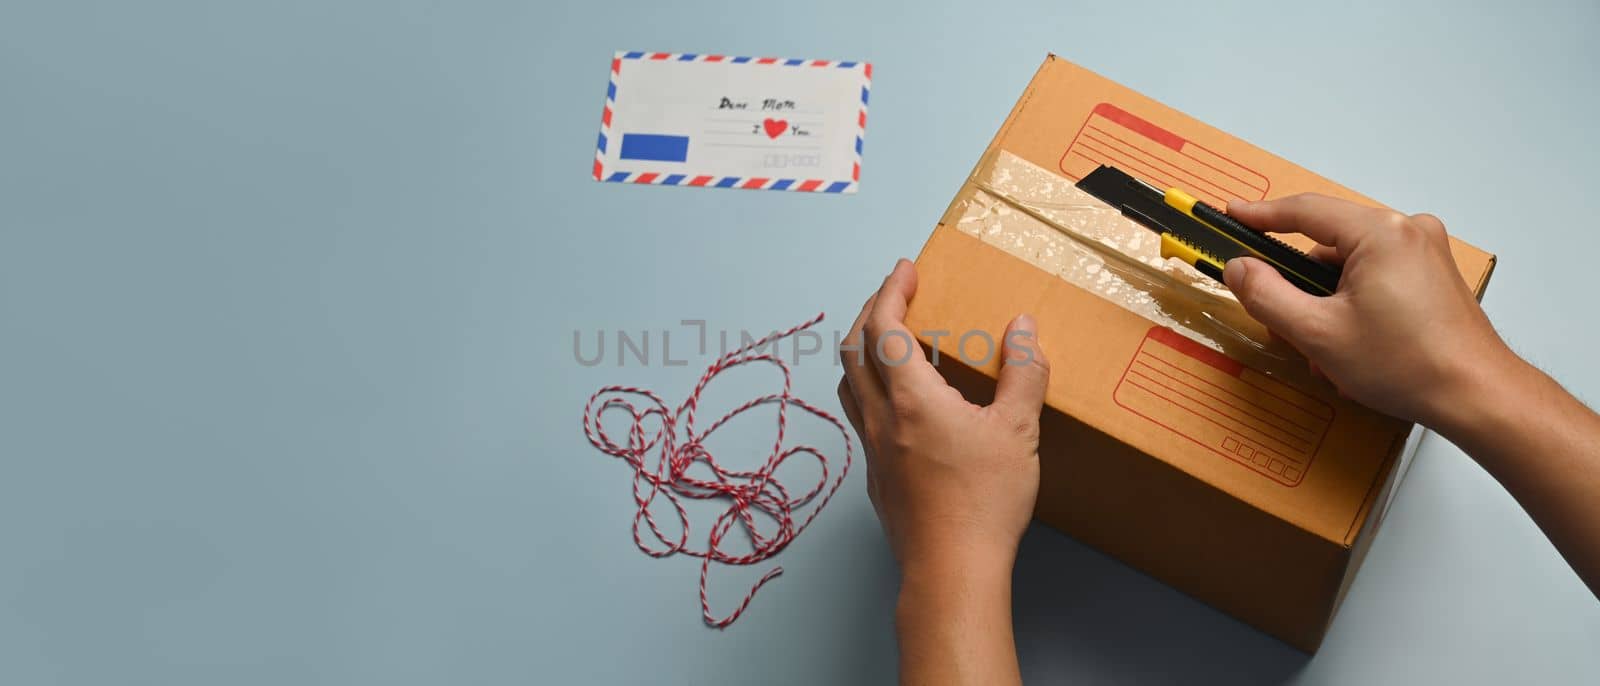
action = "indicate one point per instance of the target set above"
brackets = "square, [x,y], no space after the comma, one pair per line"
[855,173]
[597,170]
[606,118]
[1183,344]
[869,70]
[646,178]
[1144,128]
[714,58]
[863,119]
[754,183]
[766,60]
[660,56]
[616,64]
[700,180]
[810,185]
[819,63]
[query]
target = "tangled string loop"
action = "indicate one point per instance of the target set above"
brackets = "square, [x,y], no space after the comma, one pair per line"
[677,445]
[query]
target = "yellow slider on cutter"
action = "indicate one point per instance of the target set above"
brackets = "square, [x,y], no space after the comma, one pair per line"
[1172,246]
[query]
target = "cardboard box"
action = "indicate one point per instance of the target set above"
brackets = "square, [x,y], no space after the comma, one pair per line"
[1177,436]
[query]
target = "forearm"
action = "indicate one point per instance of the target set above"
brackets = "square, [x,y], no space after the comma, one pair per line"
[1543,445]
[953,622]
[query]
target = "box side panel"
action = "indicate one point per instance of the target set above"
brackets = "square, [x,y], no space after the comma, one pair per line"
[1224,552]
[1377,509]
[1193,408]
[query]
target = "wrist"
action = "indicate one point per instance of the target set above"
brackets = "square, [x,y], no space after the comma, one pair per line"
[953,620]
[935,555]
[952,602]
[1479,396]
[949,582]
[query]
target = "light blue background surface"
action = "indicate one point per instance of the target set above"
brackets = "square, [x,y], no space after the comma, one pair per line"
[287,293]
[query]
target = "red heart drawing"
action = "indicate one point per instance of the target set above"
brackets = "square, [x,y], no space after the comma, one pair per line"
[775,127]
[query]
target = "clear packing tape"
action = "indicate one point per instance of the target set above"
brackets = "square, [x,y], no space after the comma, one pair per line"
[1042,218]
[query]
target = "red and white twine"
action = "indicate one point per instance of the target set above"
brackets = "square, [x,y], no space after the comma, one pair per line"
[677,448]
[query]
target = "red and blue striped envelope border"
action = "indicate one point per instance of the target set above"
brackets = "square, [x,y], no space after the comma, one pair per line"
[747,182]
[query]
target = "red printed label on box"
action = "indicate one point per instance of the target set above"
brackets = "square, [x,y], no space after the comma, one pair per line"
[1223,406]
[1114,136]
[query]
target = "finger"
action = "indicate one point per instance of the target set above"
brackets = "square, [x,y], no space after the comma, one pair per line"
[1272,300]
[1278,338]
[890,347]
[1326,220]
[850,350]
[852,412]
[860,388]
[861,378]
[1326,254]
[1025,373]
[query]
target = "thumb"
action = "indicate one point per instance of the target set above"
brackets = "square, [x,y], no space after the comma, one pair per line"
[1270,298]
[1024,371]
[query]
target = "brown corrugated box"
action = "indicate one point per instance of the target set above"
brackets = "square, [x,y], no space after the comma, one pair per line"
[1248,484]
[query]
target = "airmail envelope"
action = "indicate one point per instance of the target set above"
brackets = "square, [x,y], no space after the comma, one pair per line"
[684,119]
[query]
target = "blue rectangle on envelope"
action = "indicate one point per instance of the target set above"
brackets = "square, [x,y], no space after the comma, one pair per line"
[655,147]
